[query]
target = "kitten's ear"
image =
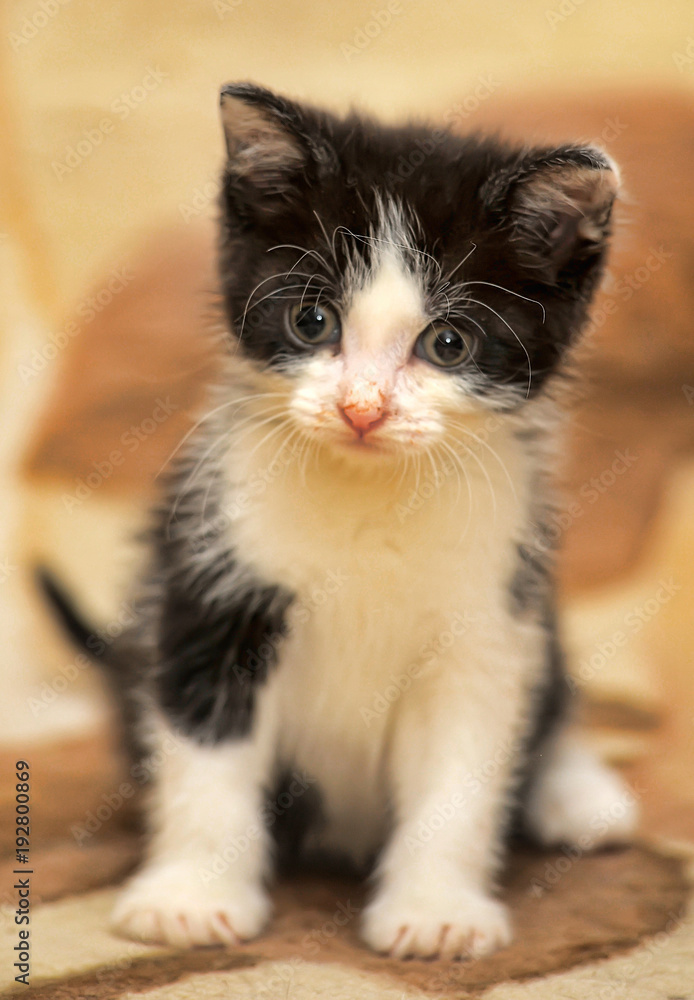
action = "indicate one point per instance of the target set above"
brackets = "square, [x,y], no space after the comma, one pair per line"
[270,140]
[560,206]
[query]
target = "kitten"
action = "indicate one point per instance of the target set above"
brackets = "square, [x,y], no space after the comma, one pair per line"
[351,595]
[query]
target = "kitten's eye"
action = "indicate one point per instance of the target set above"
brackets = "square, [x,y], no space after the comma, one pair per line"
[444,346]
[313,324]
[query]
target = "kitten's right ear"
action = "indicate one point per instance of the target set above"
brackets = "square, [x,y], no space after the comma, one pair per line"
[559,203]
[270,140]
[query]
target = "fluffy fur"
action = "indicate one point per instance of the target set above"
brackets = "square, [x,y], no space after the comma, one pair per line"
[351,583]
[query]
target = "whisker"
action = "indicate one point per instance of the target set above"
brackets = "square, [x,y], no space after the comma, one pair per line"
[328,242]
[485,444]
[404,461]
[206,416]
[458,266]
[434,482]
[458,465]
[508,325]
[304,253]
[286,288]
[275,293]
[510,292]
[223,437]
[280,427]
[284,445]
[476,458]
[392,243]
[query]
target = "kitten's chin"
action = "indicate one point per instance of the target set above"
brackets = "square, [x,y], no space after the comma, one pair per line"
[365,450]
[364,446]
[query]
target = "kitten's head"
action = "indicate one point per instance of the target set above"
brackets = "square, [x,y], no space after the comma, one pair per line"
[389,283]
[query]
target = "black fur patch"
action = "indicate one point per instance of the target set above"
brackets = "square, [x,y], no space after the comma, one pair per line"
[292,810]
[532,594]
[214,652]
[552,698]
[531,582]
[552,704]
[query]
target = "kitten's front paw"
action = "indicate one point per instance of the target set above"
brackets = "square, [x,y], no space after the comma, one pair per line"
[169,904]
[407,923]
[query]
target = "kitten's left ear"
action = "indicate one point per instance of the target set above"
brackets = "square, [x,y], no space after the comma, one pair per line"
[560,204]
[270,139]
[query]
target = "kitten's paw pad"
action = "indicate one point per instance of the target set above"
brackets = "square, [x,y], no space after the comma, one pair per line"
[584,805]
[453,926]
[173,907]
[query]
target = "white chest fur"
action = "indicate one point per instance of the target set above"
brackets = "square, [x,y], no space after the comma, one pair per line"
[391,585]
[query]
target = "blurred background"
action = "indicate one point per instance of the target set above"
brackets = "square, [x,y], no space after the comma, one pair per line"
[109,160]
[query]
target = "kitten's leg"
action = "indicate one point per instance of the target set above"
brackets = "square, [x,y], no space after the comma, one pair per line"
[577,800]
[455,751]
[202,883]
[218,635]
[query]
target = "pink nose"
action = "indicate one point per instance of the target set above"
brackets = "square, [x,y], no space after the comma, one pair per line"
[361,419]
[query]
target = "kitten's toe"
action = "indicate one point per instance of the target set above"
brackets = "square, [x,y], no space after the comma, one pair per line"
[450,924]
[579,801]
[170,905]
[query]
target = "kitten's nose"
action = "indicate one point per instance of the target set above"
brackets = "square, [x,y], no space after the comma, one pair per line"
[362,419]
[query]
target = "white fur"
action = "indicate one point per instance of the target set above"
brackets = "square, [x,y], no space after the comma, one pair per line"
[408,719]
[576,800]
[398,579]
[208,854]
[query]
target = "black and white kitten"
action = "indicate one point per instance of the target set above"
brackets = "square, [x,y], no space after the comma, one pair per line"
[352,576]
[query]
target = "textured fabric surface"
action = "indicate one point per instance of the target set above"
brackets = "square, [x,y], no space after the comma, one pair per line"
[587,927]
[568,909]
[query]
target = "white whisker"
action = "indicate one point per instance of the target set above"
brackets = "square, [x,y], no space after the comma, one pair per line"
[211,413]
[485,444]
[508,325]
[458,266]
[510,292]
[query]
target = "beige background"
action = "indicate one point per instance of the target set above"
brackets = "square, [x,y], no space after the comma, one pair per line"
[65,79]
[69,70]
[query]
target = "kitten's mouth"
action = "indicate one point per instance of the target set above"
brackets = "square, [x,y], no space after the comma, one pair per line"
[365,445]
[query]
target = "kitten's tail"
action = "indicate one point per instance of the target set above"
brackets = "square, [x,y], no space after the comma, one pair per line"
[71,619]
[121,661]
